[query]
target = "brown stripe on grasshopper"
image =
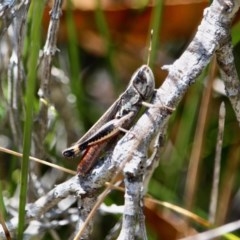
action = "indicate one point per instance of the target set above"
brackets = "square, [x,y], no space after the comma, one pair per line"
[107,131]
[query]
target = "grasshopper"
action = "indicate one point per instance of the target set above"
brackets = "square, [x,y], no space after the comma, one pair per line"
[118,117]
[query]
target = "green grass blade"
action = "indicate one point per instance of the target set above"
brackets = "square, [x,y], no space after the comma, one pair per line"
[75,68]
[105,33]
[35,36]
[2,204]
[235,33]
[156,22]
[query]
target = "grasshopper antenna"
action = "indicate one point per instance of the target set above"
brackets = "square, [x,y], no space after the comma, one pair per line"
[150,47]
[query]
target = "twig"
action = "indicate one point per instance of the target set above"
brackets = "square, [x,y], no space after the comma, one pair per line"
[49,51]
[8,11]
[153,161]
[182,73]
[217,165]
[229,74]
[38,161]
[83,232]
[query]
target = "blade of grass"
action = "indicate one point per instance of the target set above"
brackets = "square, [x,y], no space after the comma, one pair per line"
[2,205]
[228,180]
[46,163]
[198,142]
[217,232]
[35,36]
[156,21]
[185,118]
[75,68]
[105,33]
[235,33]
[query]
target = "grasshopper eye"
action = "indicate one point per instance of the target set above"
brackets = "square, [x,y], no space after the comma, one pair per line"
[141,76]
[143,81]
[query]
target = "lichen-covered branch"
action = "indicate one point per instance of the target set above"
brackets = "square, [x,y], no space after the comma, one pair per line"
[49,51]
[182,73]
[229,75]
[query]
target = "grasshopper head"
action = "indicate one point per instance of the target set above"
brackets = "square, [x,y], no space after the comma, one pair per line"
[143,81]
